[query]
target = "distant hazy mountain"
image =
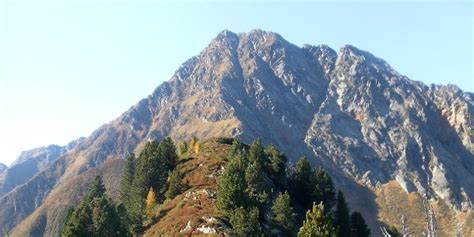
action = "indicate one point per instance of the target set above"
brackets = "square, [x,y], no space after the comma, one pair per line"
[29,163]
[392,144]
[3,167]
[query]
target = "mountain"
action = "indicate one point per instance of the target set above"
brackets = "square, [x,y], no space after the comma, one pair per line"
[3,168]
[385,139]
[31,162]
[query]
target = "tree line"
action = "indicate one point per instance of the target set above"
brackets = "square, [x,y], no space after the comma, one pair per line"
[147,180]
[256,189]
[258,192]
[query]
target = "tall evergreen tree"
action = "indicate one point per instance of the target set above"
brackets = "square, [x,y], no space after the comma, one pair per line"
[235,148]
[302,182]
[257,153]
[245,223]
[167,155]
[358,226]
[126,182]
[175,184]
[317,223]
[323,188]
[97,188]
[78,221]
[341,217]
[311,185]
[153,166]
[146,173]
[283,211]
[231,187]
[95,215]
[105,220]
[277,163]
[254,179]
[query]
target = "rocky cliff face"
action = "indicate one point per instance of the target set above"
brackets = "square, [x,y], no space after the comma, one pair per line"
[377,126]
[370,126]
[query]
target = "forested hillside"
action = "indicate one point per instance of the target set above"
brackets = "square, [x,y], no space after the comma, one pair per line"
[218,186]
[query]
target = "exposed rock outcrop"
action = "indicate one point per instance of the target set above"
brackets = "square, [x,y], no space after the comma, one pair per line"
[348,110]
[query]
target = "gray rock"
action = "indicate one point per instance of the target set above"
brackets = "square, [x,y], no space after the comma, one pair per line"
[348,110]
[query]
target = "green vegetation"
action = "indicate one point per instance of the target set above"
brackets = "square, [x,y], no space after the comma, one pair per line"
[251,180]
[311,185]
[175,184]
[317,223]
[231,188]
[341,217]
[254,194]
[245,223]
[283,211]
[358,226]
[145,183]
[277,164]
[125,187]
[96,215]
[154,163]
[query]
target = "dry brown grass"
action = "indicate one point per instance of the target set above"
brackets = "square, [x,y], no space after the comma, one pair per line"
[193,203]
[68,195]
[394,202]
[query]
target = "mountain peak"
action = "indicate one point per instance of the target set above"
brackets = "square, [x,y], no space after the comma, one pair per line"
[3,167]
[347,111]
[261,38]
[348,51]
[226,35]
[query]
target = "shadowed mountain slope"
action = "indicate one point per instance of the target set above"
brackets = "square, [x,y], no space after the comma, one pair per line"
[369,126]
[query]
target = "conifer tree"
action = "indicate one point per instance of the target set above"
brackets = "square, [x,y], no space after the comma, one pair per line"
[97,188]
[341,217]
[231,186]
[283,211]
[175,184]
[257,153]
[312,185]
[234,149]
[254,179]
[167,155]
[302,183]
[358,226]
[105,220]
[245,223]
[277,164]
[146,173]
[95,215]
[126,181]
[78,221]
[317,223]
[323,188]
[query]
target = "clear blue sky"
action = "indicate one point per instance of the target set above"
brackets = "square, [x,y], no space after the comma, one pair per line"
[67,68]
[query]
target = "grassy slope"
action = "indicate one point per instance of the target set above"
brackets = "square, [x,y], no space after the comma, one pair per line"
[200,168]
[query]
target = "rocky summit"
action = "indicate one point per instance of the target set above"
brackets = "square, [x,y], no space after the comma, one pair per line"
[395,146]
